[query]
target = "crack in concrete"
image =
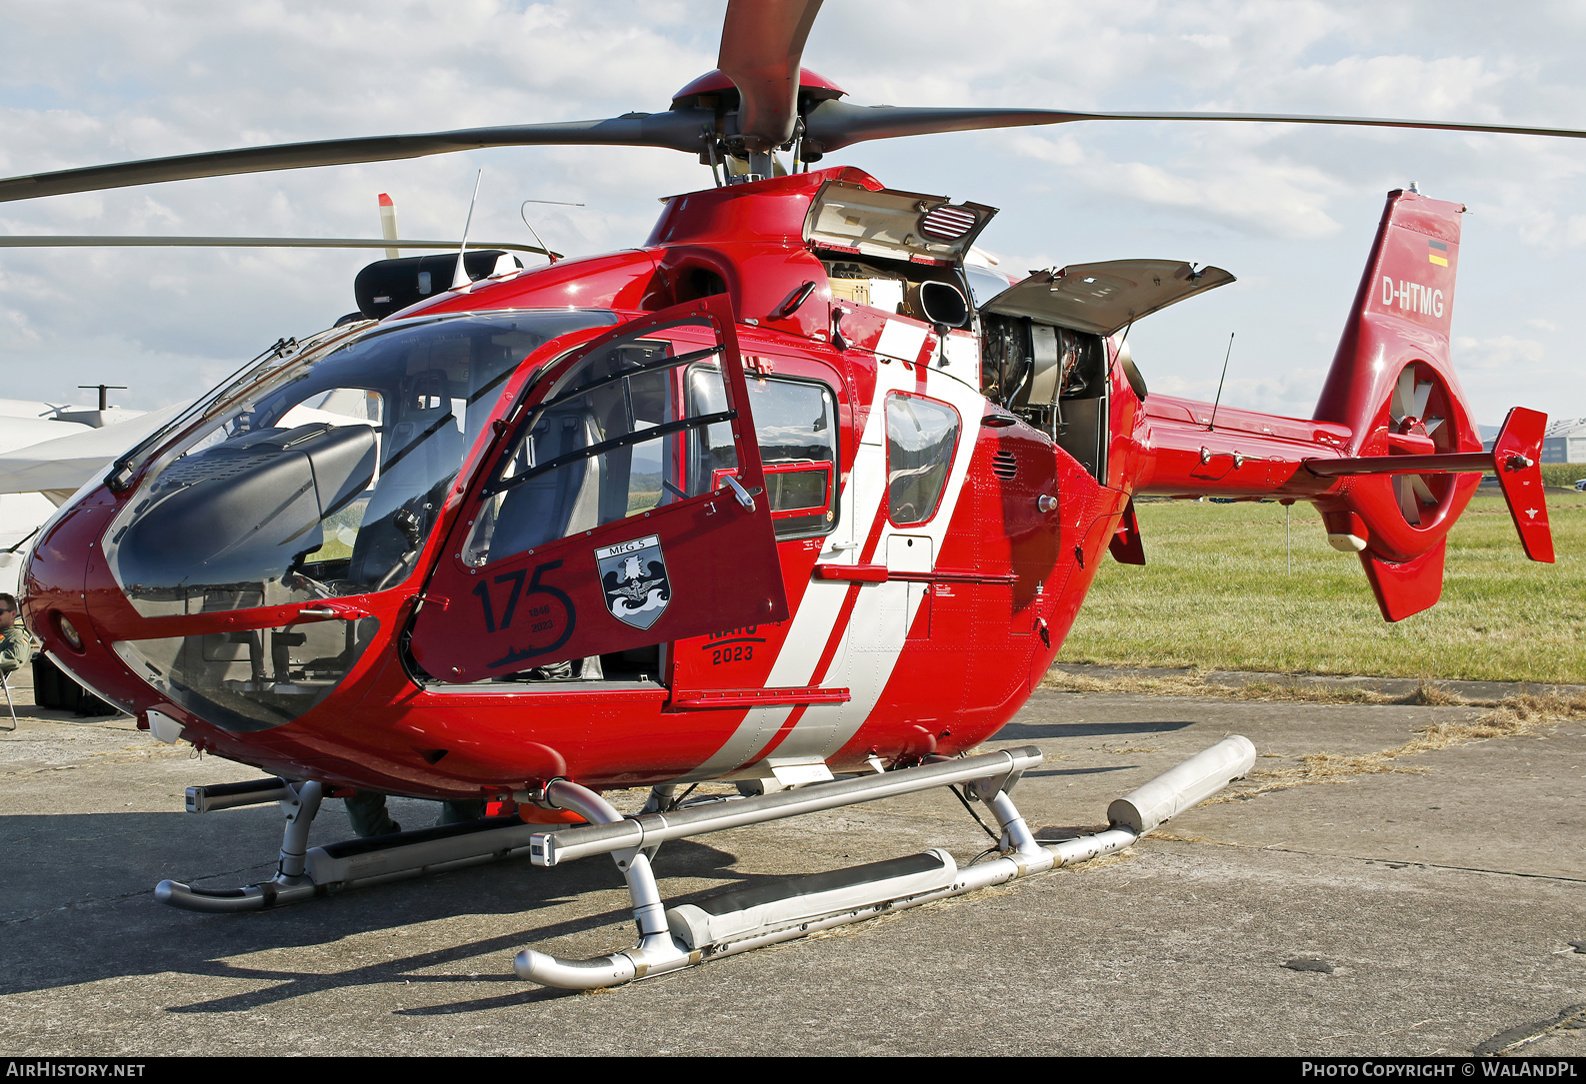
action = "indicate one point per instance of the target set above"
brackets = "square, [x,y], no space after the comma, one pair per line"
[1397,862]
[36,771]
[1509,1043]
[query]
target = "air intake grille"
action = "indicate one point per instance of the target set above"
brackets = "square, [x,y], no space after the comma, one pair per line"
[948,223]
[1004,465]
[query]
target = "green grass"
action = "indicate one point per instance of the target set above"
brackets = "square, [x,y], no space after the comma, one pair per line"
[345,522]
[1217,593]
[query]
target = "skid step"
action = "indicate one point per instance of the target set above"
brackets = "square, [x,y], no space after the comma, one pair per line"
[214,796]
[363,861]
[423,850]
[797,901]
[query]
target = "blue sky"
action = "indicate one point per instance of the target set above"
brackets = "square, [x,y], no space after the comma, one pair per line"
[1289,211]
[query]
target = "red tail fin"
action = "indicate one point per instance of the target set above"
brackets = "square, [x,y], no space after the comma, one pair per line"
[1392,383]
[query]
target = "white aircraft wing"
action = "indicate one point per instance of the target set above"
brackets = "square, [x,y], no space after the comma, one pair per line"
[62,465]
[20,432]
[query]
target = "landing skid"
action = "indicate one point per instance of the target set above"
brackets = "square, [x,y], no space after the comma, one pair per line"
[303,873]
[797,906]
[679,937]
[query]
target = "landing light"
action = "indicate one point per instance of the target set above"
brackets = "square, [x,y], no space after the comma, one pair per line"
[68,633]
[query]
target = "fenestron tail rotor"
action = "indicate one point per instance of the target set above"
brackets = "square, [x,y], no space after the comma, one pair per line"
[1415,432]
[777,104]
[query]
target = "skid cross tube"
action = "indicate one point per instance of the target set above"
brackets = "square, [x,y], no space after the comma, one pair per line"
[652,829]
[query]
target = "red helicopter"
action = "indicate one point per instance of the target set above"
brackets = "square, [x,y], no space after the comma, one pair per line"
[795,495]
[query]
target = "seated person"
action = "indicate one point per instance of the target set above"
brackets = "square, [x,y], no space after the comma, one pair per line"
[16,646]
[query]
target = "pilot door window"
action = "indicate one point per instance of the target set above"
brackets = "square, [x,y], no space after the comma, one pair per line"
[606,443]
[795,426]
[922,435]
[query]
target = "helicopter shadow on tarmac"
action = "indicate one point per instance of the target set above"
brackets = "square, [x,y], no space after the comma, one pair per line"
[94,918]
[1033,731]
[80,907]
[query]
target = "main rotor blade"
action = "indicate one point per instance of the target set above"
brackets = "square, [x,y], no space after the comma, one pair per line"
[762,42]
[678,129]
[832,125]
[92,241]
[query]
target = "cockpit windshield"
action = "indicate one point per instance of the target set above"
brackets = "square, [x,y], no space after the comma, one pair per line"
[329,476]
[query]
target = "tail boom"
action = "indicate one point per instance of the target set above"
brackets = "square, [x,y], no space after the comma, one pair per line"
[1390,458]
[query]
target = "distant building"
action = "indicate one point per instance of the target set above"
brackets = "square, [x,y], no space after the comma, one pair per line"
[1564,440]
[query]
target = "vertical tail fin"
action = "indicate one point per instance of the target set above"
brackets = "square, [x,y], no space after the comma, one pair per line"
[1393,384]
[388,225]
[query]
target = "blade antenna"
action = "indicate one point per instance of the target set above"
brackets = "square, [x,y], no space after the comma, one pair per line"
[460,276]
[1213,423]
[524,215]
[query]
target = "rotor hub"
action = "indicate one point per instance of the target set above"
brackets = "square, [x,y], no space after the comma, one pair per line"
[714,88]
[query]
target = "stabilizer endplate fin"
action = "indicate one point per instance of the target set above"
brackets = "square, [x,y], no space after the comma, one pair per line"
[1517,453]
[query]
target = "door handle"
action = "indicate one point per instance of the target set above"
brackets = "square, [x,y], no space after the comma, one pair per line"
[741,493]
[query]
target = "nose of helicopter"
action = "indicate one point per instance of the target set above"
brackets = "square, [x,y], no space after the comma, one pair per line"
[62,577]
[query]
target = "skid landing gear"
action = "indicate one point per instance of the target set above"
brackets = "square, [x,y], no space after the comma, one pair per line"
[303,872]
[299,801]
[679,937]
[670,940]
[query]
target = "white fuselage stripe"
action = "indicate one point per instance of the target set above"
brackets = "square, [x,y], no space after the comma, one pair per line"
[871,645]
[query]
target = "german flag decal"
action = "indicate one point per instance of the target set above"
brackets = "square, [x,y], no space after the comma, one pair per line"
[1437,253]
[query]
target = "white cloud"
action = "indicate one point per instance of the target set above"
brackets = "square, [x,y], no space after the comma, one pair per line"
[1502,352]
[1291,211]
[1272,198]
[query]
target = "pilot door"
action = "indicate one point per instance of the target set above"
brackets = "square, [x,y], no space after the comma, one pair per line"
[589,532]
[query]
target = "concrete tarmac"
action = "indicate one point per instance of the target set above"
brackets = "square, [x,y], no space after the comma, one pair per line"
[1436,909]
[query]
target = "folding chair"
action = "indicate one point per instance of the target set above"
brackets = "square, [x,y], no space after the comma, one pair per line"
[6,685]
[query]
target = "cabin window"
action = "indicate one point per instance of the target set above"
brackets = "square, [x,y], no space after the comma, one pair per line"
[795,425]
[922,435]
